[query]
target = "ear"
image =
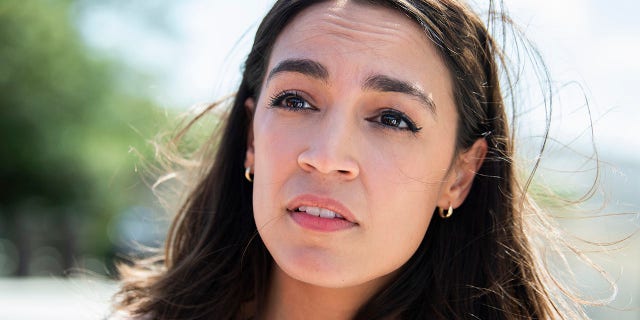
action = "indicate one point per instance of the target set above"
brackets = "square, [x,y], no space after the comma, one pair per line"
[249,159]
[460,178]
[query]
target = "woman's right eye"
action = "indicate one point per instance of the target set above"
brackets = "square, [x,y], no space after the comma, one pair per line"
[290,100]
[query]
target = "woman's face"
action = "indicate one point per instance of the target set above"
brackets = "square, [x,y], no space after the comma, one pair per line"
[355,118]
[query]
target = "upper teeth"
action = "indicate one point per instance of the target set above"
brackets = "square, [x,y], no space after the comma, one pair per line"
[319,212]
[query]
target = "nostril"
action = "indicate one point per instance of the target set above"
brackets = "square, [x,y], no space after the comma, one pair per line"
[328,163]
[307,166]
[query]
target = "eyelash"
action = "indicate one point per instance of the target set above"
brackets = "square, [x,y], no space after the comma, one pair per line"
[401,116]
[278,100]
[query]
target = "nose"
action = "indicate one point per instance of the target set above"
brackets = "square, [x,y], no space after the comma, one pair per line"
[330,150]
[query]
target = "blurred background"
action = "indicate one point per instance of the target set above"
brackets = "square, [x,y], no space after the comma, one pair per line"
[86,85]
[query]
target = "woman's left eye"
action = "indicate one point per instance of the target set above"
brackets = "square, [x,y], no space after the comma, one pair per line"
[395,120]
[290,100]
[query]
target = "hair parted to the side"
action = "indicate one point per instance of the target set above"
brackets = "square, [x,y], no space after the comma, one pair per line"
[478,264]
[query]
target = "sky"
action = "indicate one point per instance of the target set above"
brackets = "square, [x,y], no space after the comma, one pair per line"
[195,48]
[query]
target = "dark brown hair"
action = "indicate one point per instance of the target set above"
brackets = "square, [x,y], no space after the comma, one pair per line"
[215,266]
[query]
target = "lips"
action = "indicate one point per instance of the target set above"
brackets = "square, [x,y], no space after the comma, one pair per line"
[319,212]
[321,207]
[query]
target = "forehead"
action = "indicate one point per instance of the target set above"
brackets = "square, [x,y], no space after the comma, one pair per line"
[373,26]
[370,38]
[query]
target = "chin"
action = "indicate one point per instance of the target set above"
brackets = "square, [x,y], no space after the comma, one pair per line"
[324,272]
[319,270]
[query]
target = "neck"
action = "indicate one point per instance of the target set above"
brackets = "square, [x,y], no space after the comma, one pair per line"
[292,299]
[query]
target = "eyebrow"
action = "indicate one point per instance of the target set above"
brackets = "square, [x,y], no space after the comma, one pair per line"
[384,83]
[304,66]
[376,82]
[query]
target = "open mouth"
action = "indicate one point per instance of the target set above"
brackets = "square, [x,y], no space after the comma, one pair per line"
[319,212]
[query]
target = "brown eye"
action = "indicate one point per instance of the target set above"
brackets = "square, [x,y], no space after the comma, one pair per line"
[392,120]
[395,120]
[290,100]
[294,102]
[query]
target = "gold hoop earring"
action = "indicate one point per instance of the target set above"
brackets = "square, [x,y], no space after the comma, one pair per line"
[449,212]
[247,174]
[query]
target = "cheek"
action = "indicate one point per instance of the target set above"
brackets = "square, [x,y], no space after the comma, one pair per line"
[275,159]
[406,193]
[276,144]
[413,172]
[402,195]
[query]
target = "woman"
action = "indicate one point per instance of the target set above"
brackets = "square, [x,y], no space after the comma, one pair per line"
[364,172]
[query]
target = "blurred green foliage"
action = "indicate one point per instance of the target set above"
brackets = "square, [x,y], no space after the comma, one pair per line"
[67,125]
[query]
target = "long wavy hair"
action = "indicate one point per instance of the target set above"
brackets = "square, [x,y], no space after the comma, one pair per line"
[478,264]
